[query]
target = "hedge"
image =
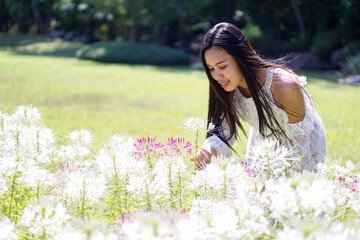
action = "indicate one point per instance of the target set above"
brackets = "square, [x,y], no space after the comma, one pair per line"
[133,52]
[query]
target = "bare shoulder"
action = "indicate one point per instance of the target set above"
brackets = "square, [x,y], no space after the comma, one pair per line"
[288,94]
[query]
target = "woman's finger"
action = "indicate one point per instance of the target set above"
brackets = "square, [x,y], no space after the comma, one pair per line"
[204,157]
[207,155]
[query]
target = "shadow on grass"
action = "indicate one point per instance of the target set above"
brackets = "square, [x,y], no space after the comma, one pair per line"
[317,76]
[159,68]
[38,45]
[45,46]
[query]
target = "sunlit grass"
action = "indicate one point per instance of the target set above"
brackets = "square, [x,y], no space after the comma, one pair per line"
[146,100]
[106,99]
[338,105]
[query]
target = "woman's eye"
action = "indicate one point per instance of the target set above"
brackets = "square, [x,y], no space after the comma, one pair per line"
[211,69]
[223,67]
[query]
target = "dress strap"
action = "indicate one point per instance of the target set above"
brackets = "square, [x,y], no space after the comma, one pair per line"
[269,78]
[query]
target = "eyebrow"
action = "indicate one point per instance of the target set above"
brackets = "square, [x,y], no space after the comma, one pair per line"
[217,63]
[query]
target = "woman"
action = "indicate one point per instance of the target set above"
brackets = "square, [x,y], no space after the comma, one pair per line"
[266,95]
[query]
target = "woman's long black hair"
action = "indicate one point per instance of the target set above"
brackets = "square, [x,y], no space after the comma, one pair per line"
[221,107]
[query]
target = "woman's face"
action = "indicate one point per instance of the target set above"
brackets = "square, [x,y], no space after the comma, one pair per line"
[224,69]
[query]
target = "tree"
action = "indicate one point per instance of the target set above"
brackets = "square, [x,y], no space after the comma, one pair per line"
[299,18]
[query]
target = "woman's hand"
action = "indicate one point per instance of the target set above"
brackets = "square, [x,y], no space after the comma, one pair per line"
[203,157]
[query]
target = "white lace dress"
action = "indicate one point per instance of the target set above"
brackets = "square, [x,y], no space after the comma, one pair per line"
[307,136]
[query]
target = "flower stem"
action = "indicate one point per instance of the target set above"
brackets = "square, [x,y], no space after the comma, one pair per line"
[225,190]
[13,187]
[148,201]
[12,194]
[117,184]
[126,193]
[83,202]
[196,147]
[37,141]
[180,186]
[148,157]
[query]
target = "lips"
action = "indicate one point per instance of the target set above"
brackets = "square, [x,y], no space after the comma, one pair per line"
[224,84]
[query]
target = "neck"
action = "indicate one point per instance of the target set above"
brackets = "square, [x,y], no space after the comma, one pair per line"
[261,77]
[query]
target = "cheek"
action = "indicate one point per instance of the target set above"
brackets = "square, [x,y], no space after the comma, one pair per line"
[237,75]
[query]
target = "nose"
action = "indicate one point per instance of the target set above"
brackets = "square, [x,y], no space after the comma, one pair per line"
[217,75]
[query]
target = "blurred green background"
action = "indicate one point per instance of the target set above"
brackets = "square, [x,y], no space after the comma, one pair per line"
[328,30]
[129,88]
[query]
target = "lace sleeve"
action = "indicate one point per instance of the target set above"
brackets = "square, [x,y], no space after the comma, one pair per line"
[214,142]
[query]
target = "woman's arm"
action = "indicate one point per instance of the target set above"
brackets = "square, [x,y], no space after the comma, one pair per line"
[214,146]
[288,95]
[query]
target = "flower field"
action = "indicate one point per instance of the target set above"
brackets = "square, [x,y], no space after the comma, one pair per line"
[147,189]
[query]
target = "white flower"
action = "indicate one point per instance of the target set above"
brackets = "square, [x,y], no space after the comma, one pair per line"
[224,219]
[3,187]
[201,206]
[7,230]
[283,197]
[336,170]
[317,195]
[155,186]
[151,225]
[210,127]
[171,166]
[350,165]
[27,115]
[35,177]
[219,178]
[82,137]
[115,159]
[81,230]
[84,185]
[45,137]
[73,152]
[195,124]
[79,147]
[269,158]
[187,229]
[209,181]
[227,219]
[288,233]
[43,218]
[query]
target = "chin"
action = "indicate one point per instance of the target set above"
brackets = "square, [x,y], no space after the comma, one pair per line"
[229,89]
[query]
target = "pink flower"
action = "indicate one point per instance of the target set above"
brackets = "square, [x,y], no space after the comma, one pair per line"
[350,182]
[146,146]
[176,146]
[248,170]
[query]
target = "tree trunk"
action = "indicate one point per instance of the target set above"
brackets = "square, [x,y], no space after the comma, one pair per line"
[299,18]
[111,31]
[132,32]
[181,23]
[3,17]
[27,18]
[17,14]
[111,21]
[47,23]
[37,17]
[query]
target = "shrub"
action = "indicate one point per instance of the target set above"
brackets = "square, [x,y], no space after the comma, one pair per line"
[351,66]
[271,47]
[324,43]
[133,52]
[351,49]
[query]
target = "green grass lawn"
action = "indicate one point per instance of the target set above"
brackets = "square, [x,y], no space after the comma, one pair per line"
[141,101]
